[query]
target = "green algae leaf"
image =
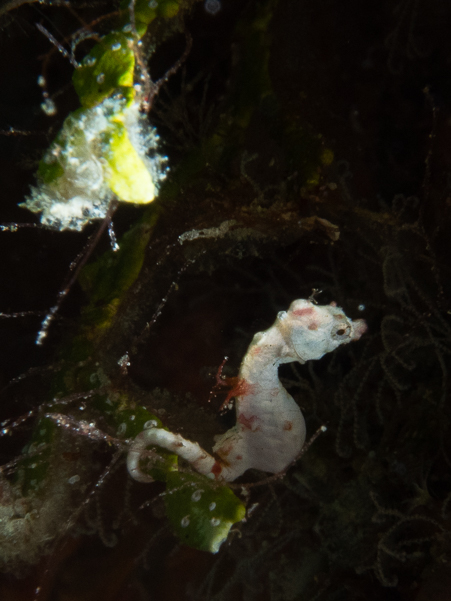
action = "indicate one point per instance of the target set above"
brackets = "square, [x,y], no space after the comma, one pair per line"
[147,10]
[201,511]
[108,68]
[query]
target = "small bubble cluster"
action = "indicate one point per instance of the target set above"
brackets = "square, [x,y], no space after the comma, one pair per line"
[48,107]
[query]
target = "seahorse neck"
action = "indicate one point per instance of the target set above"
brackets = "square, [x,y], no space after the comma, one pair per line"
[262,360]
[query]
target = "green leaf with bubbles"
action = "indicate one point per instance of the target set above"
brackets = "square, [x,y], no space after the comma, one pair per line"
[108,68]
[200,510]
[146,11]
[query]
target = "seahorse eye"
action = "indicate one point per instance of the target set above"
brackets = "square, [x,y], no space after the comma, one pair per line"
[341,331]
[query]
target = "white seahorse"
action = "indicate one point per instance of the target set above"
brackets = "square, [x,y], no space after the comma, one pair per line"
[270,428]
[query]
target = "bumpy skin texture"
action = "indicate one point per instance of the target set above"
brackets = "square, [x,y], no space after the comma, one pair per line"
[270,428]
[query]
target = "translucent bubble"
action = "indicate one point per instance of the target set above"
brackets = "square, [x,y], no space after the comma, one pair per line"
[212,506]
[153,4]
[100,78]
[49,107]
[90,61]
[127,28]
[41,81]
[151,423]
[361,307]
[185,522]
[212,7]
[132,418]
[215,521]
[122,429]
[74,479]
[116,46]
[196,495]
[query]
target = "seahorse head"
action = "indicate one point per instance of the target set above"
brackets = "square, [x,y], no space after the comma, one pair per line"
[314,330]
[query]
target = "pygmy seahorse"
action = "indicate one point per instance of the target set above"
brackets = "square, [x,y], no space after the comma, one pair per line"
[270,428]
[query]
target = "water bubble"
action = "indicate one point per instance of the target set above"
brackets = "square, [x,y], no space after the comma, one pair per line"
[41,81]
[74,479]
[49,107]
[100,78]
[116,46]
[212,7]
[153,4]
[122,429]
[185,522]
[196,495]
[124,361]
[361,307]
[215,521]
[132,418]
[127,28]
[90,61]
[212,506]
[151,423]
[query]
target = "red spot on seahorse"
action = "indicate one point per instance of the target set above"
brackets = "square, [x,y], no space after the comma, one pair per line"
[216,469]
[256,350]
[251,423]
[239,388]
[287,425]
[302,312]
